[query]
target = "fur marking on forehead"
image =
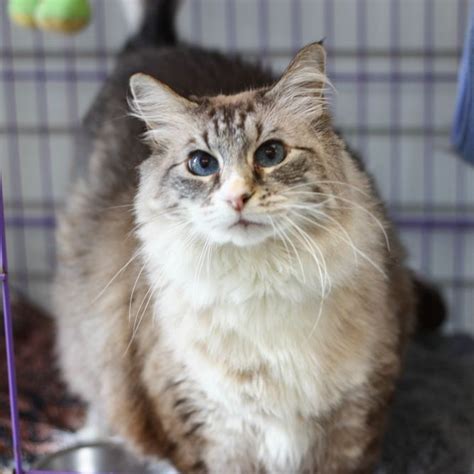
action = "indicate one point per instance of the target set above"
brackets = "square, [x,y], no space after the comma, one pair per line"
[299,93]
[228,120]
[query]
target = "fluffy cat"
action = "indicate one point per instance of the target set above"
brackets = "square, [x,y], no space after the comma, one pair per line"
[230,293]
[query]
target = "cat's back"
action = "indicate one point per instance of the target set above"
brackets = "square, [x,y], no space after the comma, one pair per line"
[192,71]
[189,71]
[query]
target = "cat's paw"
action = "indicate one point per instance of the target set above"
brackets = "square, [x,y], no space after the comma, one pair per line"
[94,429]
[162,467]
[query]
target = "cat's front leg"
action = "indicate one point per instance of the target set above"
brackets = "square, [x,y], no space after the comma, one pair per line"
[354,434]
[234,466]
[94,428]
[216,460]
[231,454]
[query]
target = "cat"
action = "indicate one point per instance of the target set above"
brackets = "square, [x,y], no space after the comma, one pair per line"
[230,293]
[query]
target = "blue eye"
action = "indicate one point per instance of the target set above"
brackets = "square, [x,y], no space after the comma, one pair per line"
[201,163]
[270,154]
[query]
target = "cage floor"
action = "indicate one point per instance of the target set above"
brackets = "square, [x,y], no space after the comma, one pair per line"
[48,413]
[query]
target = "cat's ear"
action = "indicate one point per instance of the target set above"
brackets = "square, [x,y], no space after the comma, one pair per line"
[301,87]
[155,103]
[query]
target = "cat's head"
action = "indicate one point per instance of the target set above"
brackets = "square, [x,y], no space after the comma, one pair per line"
[242,168]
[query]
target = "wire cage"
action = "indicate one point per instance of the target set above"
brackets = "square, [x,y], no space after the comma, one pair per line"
[394,66]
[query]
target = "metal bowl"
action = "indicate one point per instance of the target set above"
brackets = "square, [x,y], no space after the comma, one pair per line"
[99,457]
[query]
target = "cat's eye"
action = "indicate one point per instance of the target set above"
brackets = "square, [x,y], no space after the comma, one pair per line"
[270,154]
[201,163]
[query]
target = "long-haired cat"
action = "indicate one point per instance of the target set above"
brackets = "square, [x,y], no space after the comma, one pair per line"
[230,293]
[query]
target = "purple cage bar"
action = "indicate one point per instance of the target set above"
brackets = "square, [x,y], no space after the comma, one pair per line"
[10,353]
[7,323]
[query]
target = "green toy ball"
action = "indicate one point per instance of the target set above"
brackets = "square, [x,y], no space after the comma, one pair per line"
[64,16]
[22,12]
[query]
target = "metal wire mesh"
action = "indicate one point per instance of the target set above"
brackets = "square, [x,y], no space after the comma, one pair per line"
[393,63]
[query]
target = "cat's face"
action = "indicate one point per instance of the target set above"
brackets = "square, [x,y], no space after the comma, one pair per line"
[240,169]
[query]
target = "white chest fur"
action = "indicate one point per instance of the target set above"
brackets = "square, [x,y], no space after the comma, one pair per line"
[267,362]
[254,337]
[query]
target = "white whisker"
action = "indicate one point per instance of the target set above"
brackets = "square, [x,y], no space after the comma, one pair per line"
[311,246]
[316,183]
[323,289]
[285,237]
[150,293]
[114,278]
[348,240]
[277,233]
[354,204]
[200,262]
[133,291]
[137,318]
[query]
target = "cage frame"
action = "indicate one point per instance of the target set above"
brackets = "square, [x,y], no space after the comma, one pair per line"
[460,223]
[10,353]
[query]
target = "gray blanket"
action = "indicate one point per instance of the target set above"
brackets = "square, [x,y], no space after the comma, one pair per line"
[431,430]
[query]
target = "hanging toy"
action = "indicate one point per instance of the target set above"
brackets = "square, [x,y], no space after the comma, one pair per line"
[64,16]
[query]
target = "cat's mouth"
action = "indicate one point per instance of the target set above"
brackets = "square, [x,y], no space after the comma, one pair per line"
[244,224]
[243,231]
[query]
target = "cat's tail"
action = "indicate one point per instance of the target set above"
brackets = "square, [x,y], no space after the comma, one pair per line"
[157,27]
[430,309]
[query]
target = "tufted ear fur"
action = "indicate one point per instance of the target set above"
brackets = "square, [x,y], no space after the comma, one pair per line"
[301,88]
[159,106]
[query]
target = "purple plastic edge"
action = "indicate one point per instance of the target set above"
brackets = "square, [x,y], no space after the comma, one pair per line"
[7,319]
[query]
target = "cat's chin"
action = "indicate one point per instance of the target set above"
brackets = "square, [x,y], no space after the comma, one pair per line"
[242,235]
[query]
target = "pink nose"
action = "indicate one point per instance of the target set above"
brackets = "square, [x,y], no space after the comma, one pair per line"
[238,202]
